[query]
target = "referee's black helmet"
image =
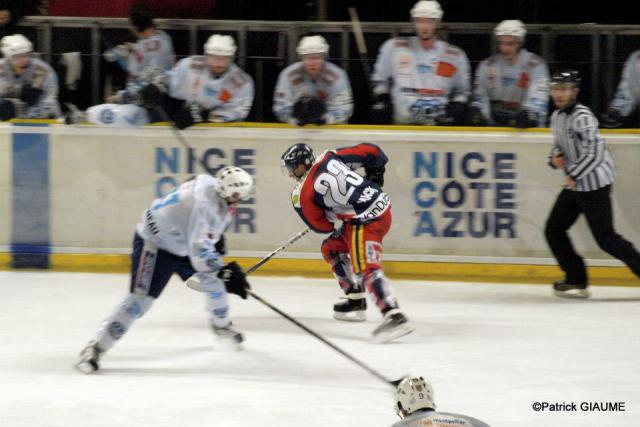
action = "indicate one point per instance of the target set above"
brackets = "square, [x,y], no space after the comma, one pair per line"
[566,76]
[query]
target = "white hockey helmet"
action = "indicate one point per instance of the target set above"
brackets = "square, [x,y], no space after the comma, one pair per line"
[427,9]
[15,45]
[413,393]
[312,44]
[220,45]
[511,27]
[234,180]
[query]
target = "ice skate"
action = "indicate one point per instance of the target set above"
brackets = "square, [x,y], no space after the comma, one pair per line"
[351,309]
[394,325]
[89,358]
[229,335]
[563,289]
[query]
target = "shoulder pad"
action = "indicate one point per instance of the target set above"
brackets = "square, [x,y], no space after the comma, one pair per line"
[401,42]
[238,77]
[453,50]
[198,62]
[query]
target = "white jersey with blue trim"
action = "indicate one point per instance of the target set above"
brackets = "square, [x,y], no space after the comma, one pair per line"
[501,89]
[332,86]
[149,58]
[189,222]
[421,82]
[39,75]
[229,96]
[627,94]
[439,419]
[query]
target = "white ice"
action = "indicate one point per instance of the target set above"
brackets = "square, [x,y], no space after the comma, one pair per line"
[491,351]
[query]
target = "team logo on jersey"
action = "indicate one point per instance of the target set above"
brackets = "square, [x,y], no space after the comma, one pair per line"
[106,116]
[367,195]
[523,82]
[373,252]
[446,69]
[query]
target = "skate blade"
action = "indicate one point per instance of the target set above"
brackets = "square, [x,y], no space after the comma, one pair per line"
[230,343]
[85,368]
[400,331]
[353,316]
[573,294]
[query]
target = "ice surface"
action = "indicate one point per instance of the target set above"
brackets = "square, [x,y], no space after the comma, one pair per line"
[491,351]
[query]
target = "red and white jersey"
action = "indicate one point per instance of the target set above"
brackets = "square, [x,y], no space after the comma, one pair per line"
[332,191]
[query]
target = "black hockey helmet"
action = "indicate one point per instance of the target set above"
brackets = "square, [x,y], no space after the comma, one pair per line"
[566,76]
[295,155]
[141,17]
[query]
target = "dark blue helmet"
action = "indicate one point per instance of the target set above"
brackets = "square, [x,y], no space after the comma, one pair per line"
[566,76]
[296,155]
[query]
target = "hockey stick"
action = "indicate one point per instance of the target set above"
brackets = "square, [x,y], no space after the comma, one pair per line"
[378,375]
[361,45]
[195,284]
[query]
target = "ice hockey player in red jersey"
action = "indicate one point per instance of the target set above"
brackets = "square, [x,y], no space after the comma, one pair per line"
[331,197]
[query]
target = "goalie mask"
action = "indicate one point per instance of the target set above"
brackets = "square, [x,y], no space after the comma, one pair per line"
[413,393]
[298,154]
[234,182]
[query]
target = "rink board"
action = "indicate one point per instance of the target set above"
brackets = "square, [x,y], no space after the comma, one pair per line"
[456,193]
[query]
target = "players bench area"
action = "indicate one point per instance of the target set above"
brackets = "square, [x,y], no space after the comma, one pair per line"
[469,204]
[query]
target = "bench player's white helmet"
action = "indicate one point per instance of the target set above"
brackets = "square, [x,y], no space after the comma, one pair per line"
[220,45]
[15,45]
[233,180]
[511,27]
[312,44]
[427,9]
[413,393]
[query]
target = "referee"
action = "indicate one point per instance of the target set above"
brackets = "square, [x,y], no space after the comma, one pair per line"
[579,150]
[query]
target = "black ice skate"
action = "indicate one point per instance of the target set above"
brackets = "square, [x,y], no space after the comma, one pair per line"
[352,309]
[394,325]
[570,290]
[229,334]
[89,358]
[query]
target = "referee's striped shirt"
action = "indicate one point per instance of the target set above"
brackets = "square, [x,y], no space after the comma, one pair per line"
[576,134]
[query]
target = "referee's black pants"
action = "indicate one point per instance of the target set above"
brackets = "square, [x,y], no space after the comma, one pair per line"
[596,206]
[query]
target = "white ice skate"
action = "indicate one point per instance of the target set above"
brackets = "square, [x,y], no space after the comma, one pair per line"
[229,335]
[394,326]
[89,358]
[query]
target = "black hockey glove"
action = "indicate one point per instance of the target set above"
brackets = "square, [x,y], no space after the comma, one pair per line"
[30,95]
[526,119]
[150,96]
[381,109]
[375,175]
[455,114]
[612,119]
[476,118]
[234,279]
[187,116]
[309,110]
[221,245]
[9,108]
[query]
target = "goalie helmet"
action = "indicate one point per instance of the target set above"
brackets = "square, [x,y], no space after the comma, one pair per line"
[233,180]
[15,45]
[312,44]
[427,9]
[413,393]
[298,154]
[220,45]
[511,27]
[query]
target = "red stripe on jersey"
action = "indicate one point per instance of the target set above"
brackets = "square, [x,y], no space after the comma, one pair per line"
[362,150]
[312,213]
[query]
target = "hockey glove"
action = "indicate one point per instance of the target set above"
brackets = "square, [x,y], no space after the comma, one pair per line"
[187,116]
[381,109]
[309,110]
[234,279]
[30,95]
[526,119]
[612,119]
[476,118]
[221,245]
[10,108]
[375,175]
[150,95]
[455,114]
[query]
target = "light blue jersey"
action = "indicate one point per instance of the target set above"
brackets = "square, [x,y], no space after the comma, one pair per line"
[627,95]
[421,82]
[39,75]
[501,90]
[332,87]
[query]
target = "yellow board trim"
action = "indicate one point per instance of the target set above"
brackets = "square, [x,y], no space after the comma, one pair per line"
[409,270]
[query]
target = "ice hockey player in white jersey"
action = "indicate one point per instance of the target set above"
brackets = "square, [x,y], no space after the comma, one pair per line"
[627,96]
[28,86]
[511,87]
[181,233]
[416,407]
[313,90]
[422,79]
